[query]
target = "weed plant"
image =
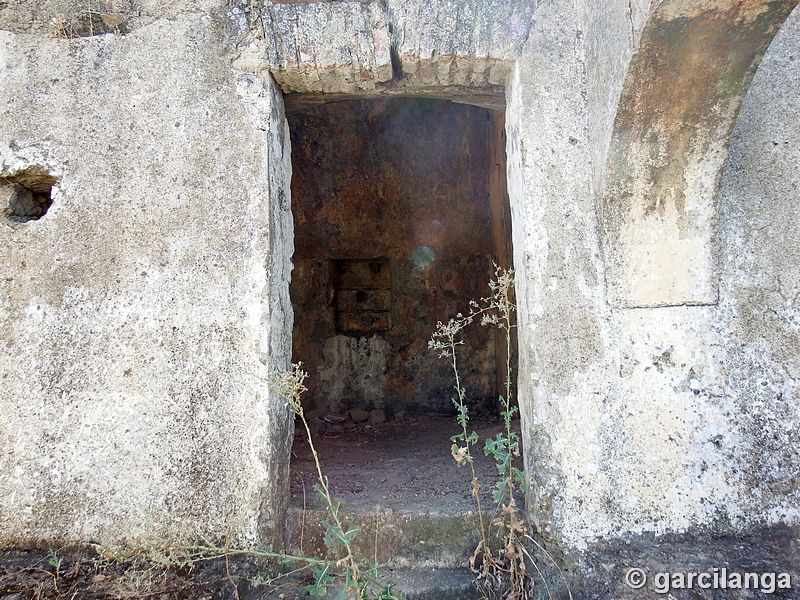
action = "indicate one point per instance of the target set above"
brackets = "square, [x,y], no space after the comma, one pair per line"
[356,576]
[502,570]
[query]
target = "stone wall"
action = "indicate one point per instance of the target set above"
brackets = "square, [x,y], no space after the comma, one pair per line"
[645,419]
[556,142]
[758,310]
[140,309]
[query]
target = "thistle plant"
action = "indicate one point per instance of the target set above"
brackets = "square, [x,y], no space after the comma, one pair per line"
[444,341]
[502,572]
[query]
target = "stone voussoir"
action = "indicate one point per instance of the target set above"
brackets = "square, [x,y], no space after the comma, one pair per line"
[347,47]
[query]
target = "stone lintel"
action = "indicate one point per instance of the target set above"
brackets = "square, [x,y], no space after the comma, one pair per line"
[373,49]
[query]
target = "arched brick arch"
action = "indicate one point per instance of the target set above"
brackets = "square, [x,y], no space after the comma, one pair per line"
[681,96]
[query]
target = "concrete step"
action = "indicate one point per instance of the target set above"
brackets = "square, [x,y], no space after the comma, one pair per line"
[433,584]
[409,584]
[398,539]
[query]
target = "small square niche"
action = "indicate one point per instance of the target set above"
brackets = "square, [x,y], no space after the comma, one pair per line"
[363,297]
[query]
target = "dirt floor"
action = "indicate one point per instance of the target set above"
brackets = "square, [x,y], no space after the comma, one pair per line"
[36,574]
[406,466]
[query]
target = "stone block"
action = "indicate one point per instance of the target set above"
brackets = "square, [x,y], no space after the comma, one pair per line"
[377,416]
[359,415]
[362,274]
[327,46]
[363,322]
[363,300]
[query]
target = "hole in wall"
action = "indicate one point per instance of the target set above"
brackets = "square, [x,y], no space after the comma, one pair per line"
[26,195]
[400,210]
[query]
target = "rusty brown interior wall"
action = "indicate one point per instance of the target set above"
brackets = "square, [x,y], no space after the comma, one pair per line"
[408,181]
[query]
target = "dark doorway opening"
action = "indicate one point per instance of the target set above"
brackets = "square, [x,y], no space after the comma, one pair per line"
[400,213]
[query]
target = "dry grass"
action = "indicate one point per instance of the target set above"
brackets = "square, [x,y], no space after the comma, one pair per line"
[86,18]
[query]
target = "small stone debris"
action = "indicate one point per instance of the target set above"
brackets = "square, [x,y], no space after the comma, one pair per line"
[377,416]
[358,415]
[315,414]
[334,418]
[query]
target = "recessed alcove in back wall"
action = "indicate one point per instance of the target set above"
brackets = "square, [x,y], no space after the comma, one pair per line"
[394,231]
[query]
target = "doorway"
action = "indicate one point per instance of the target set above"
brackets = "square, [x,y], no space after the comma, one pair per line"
[400,212]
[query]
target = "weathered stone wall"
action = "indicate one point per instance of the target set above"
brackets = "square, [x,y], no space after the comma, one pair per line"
[555,141]
[140,309]
[638,420]
[406,180]
[77,18]
[137,310]
[758,314]
[714,389]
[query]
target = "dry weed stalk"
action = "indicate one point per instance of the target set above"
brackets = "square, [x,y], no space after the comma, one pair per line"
[501,573]
[87,18]
[358,575]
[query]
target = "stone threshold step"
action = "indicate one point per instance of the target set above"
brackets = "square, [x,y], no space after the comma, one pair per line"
[399,540]
[410,584]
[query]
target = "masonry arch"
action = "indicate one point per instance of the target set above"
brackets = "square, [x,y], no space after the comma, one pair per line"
[676,113]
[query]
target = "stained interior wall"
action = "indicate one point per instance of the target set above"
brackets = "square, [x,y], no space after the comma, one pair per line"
[404,182]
